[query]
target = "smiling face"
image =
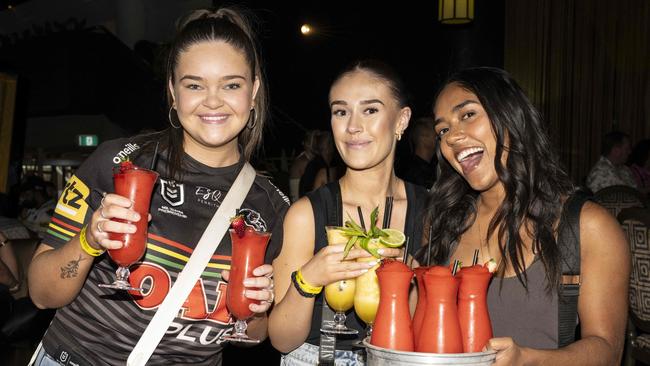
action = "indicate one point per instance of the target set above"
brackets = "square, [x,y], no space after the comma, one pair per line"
[365,119]
[213,92]
[467,140]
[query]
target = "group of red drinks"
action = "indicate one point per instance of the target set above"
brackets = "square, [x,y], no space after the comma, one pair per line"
[451,315]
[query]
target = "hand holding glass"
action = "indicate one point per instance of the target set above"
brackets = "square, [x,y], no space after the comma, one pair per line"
[339,295]
[247,254]
[137,185]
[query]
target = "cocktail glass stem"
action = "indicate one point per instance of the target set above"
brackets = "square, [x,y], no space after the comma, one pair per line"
[121,281]
[339,320]
[369,330]
[240,328]
[240,333]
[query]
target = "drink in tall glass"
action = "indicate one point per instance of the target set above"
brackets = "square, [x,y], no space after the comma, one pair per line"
[339,295]
[248,249]
[136,184]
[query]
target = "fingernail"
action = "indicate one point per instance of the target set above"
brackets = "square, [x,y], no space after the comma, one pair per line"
[380,251]
[372,264]
[364,271]
[248,282]
[136,217]
[133,228]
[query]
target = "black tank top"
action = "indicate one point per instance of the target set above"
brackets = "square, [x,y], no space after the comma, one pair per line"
[327,206]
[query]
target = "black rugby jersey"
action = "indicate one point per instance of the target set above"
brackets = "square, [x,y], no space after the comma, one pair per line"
[101,326]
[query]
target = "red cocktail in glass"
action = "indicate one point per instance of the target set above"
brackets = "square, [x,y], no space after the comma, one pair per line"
[473,316]
[248,249]
[136,184]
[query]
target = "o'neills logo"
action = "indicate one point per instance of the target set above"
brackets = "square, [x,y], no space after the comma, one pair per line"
[128,149]
[172,192]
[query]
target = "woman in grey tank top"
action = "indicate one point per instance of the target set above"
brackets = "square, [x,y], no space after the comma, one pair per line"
[501,190]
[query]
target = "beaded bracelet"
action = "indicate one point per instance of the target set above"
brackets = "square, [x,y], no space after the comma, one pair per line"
[302,291]
[86,247]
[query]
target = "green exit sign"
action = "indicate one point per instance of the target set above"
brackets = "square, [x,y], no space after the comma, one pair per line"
[87,140]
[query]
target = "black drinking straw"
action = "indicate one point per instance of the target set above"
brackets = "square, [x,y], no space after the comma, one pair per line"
[475,258]
[429,246]
[455,267]
[363,224]
[155,156]
[388,211]
[406,251]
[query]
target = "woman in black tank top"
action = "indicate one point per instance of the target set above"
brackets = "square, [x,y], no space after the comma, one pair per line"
[501,190]
[368,116]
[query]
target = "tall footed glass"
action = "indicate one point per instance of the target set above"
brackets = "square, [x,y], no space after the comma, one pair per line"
[248,251]
[366,296]
[136,184]
[339,295]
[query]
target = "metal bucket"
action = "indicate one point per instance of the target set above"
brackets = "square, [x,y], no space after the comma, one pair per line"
[377,356]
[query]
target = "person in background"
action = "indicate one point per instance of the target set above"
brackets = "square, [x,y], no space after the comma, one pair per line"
[419,167]
[639,164]
[331,166]
[217,99]
[38,201]
[369,113]
[9,274]
[300,163]
[610,169]
[501,191]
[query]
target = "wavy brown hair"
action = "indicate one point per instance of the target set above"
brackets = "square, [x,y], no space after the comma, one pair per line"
[534,182]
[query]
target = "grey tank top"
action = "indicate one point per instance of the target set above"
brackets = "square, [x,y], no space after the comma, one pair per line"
[530,318]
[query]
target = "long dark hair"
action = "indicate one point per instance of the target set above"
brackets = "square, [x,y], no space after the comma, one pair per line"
[533,180]
[230,25]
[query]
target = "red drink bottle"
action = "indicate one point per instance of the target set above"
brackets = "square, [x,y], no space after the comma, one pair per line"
[420,308]
[440,332]
[393,328]
[475,325]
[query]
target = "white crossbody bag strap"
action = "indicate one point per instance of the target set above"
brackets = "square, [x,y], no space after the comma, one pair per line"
[199,259]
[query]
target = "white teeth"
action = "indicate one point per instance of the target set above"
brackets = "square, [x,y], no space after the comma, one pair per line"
[467,152]
[211,118]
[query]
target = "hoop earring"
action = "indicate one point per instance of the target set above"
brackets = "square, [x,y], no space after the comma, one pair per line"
[398,135]
[169,115]
[251,120]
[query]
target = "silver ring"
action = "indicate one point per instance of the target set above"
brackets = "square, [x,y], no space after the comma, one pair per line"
[101,203]
[99,228]
[272,299]
[101,212]
[272,285]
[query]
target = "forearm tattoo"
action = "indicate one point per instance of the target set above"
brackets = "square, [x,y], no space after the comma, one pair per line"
[71,269]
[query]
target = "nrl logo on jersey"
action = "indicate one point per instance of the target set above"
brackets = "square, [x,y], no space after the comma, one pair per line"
[172,192]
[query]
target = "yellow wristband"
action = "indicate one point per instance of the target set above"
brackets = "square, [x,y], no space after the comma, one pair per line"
[86,247]
[308,288]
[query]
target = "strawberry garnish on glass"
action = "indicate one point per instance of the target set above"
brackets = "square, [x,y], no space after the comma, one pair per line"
[238,224]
